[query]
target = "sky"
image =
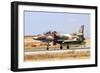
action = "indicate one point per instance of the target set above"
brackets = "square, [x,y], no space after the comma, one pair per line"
[64,23]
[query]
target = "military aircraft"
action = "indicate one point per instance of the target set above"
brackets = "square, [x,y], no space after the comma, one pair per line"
[62,39]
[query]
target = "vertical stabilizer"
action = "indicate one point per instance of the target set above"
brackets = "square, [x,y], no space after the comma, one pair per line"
[81,32]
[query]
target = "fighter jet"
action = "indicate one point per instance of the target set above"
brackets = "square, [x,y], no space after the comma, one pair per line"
[62,39]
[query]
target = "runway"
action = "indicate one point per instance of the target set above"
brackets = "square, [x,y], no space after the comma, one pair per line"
[70,54]
[31,51]
[53,49]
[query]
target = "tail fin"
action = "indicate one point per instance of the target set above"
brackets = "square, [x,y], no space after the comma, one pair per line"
[81,30]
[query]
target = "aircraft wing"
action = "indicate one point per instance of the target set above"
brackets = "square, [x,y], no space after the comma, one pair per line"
[69,41]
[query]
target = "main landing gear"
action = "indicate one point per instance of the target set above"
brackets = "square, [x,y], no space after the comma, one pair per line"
[61,46]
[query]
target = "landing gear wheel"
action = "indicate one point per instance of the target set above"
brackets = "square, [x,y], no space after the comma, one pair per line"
[67,47]
[47,48]
[61,47]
